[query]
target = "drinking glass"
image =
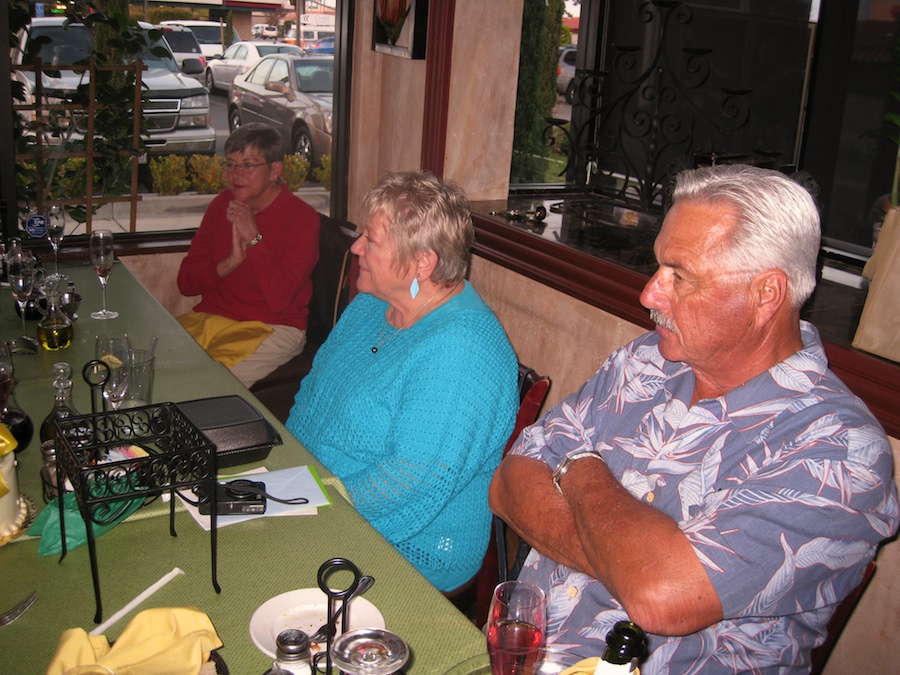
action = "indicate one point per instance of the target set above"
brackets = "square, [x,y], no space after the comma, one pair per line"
[517,620]
[56,226]
[103,254]
[21,272]
[114,349]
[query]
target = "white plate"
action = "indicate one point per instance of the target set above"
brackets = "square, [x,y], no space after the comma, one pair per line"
[304,609]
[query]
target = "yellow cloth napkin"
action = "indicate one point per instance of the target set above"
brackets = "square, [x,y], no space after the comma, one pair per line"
[588,666]
[583,667]
[8,443]
[171,640]
[228,341]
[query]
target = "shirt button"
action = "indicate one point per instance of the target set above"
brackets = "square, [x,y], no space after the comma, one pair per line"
[571,591]
[650,497]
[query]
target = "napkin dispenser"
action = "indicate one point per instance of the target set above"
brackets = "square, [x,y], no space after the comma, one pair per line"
[237,429]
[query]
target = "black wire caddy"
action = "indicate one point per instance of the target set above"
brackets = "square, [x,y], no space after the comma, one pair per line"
[167,452]
[364,651]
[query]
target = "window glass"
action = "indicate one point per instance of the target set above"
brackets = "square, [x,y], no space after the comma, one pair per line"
[280,73]
[231,52]
[259,74]
[644,89]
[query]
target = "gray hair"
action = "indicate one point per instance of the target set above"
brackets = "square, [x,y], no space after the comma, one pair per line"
[423,213]
[777,222]
[264,138]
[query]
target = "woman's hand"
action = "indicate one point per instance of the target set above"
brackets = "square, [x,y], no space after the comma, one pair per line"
[240,215]
[243,229]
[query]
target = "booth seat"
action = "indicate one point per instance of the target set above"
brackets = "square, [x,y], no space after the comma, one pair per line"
[334,286]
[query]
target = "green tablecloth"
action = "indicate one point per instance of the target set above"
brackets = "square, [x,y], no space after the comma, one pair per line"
[257,559]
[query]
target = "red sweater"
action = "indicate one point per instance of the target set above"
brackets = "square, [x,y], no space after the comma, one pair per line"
[273,284]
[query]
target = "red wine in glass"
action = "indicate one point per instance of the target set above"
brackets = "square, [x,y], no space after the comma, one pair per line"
[103,272]
[514,647]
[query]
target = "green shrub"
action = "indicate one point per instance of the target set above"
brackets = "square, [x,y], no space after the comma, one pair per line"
[169,174]
[207,174]
[156,15]
[323,173]
[295,171]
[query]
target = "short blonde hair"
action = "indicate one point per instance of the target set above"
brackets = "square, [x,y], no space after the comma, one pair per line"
[423,213]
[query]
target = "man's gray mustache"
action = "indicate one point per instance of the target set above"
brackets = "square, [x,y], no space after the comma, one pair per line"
[661,320]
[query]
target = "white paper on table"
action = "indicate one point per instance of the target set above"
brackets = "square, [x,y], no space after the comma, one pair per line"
[299,481]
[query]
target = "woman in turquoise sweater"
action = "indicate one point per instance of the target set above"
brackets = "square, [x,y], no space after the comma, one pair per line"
[413,396]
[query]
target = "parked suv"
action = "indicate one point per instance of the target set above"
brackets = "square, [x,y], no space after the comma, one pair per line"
[184,45]
[565,73]
[175,107]
[208,33]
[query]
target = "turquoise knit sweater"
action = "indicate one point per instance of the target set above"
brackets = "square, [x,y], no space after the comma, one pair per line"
[415,430]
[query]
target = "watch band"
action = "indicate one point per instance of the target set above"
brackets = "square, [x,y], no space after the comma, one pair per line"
[255,240]
[568,461]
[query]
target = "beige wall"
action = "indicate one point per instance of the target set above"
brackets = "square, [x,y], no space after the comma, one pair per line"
[388,94]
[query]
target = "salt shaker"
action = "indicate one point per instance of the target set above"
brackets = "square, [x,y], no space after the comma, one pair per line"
[292,652]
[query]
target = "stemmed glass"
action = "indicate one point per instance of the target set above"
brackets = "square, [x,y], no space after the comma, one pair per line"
[114,349]
[21,272]
[103,254]
[56,226]
[517,620]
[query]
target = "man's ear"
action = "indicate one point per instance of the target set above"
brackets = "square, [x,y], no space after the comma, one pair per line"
[770,292]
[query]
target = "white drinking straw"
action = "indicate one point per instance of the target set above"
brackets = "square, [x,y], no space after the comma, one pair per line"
[103,627]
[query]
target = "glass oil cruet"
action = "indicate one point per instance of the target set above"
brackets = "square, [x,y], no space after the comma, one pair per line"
[63,406]
[55,330]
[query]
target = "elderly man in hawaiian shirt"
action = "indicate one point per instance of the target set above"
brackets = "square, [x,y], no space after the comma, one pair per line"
[713,482]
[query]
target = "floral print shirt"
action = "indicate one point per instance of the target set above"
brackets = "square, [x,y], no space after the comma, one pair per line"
[783,486]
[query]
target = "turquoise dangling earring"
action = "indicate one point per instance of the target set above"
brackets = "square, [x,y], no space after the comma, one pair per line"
[414,287]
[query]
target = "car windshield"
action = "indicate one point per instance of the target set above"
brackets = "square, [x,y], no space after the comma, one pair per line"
[315,77]
[65,46]
[265,50]
[208,35]
[182,41]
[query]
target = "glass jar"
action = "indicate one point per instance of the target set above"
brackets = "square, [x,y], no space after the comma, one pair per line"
[55,330]
[369,651]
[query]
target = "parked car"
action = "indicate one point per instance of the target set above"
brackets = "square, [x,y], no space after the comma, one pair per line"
[239,58]
[175,107]
[270,32]
[256,31]
[208,33]
[565,73]
[293,93]
[325,46]
[183,44]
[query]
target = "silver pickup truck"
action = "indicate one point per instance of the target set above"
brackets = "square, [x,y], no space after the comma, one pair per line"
[175,107]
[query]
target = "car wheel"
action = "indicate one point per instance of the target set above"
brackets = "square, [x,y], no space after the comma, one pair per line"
[570,92]
[234,118]
[303,144]
[210,81]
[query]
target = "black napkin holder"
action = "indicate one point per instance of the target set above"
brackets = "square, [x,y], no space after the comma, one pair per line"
[237,429]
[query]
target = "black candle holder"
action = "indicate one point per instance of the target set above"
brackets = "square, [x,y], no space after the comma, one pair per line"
[178,455]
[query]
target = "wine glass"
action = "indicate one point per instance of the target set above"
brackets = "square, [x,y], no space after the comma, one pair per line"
[103,254]
[517,620]
[56,226]
[114,349]
[21,272]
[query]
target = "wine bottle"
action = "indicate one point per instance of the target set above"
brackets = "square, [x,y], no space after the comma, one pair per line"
[625,647]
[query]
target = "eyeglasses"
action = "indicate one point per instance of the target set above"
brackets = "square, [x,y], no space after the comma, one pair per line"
[247,168]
